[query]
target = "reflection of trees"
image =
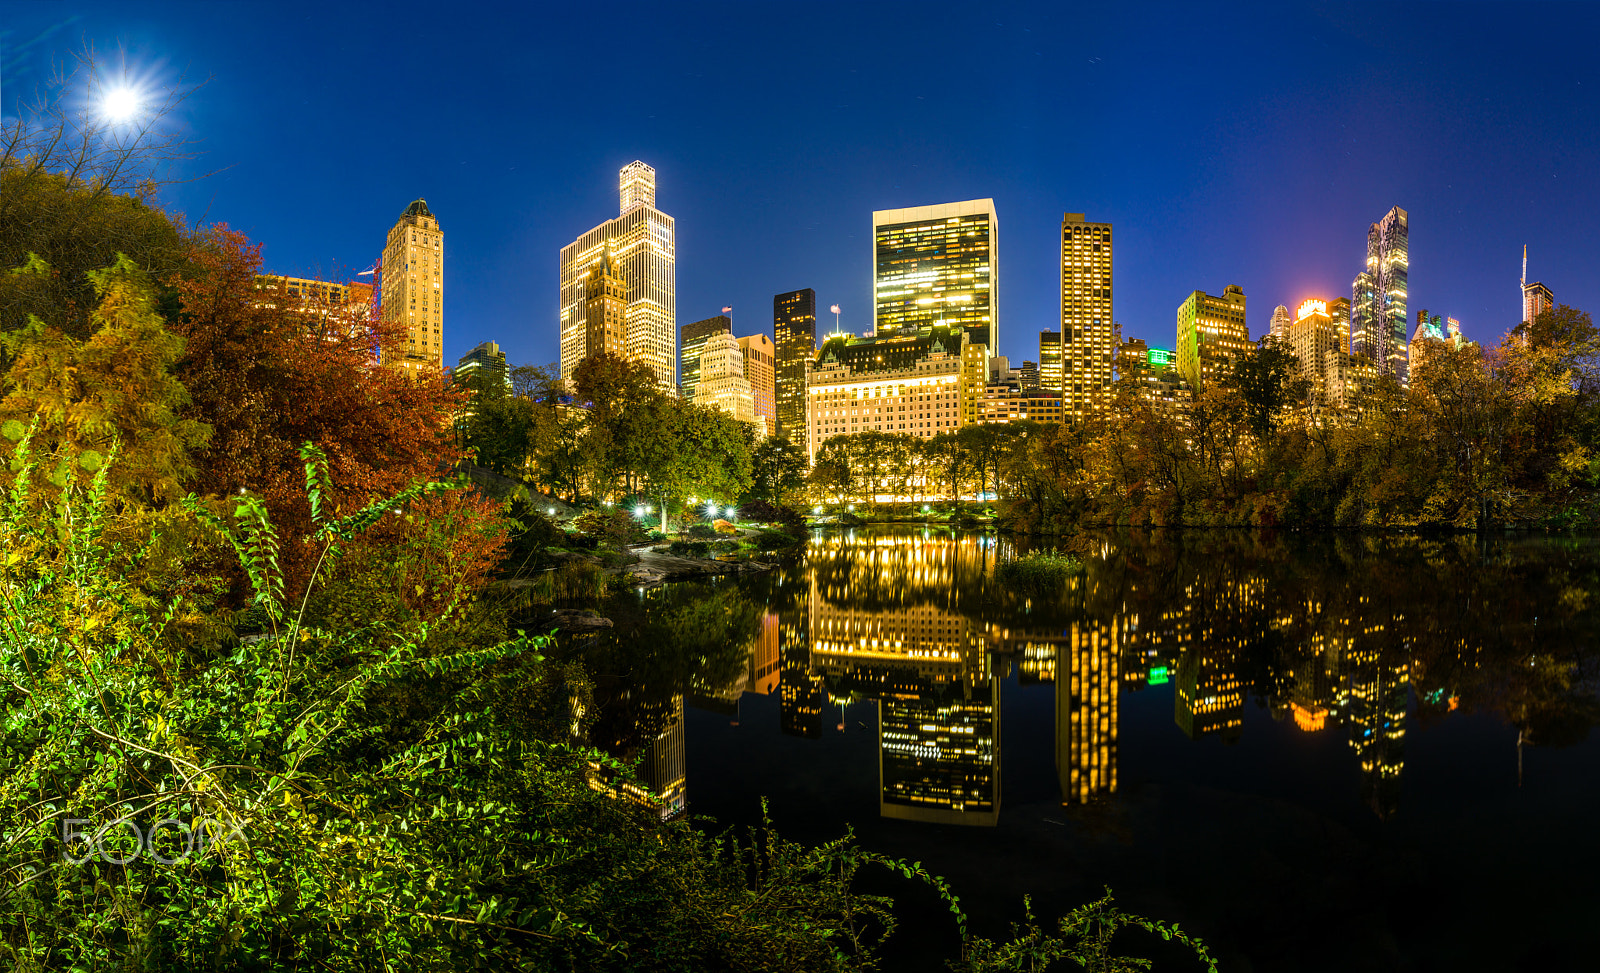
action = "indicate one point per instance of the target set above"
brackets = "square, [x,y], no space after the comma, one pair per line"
[679,640]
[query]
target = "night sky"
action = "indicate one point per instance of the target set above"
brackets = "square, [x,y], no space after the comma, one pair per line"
[1246,145]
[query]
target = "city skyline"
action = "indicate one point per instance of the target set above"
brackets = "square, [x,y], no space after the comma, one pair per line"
[756,219]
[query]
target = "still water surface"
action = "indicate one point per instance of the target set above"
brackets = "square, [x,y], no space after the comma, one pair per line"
[1320,752]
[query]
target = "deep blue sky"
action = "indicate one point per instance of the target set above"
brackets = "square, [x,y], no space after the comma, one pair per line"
[1230,144]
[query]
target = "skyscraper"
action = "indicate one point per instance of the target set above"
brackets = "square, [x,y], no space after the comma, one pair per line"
[642,241]
[1088,338]
[1212,334]
[1280,324]
[1315,340]
[486,360]
[794,326]
[690,347]
[1050,361]
[720,382]
[605,305]
[1378,296]
[937,266]
[760,361]
[413,288]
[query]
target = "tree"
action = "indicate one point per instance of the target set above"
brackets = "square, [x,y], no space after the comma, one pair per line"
[691,451]
[777,471]
[114,390]
[1269,383]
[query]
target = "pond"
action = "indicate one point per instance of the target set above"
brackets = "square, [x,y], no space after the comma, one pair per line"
[1318,751]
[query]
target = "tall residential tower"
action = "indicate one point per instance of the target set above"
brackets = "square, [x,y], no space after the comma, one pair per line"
[413,287]
[1087,339]
[642,242]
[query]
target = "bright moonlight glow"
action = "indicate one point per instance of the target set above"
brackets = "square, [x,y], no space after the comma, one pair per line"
[120,104]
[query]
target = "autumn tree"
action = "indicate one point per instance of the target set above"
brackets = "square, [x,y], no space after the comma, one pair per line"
[114,390]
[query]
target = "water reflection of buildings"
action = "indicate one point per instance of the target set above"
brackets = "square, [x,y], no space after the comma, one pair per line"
[1084,663]
[876,630]
[662,769]
[879,617]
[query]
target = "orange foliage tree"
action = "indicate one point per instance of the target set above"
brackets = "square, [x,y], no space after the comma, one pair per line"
[269,377]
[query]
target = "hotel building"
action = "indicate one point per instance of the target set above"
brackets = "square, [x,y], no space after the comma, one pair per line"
[794,326]
[911,385]
[642,242]
[413,288]
[937,266]
[1087,337]
[1211,334]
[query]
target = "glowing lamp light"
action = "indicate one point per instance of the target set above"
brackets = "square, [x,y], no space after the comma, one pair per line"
[551,511]
[728,512]
[1312,307]
[817,509]
[119,104]
[638,511]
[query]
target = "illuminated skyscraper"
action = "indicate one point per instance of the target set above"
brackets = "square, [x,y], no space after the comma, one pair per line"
[794,326]
[1050,360]
[937,266]
[1212,334]
[413,288]
[1315,341]
[1280,324]
[1378,296]
[690,347]
[642,242]
[1339,314]
[721,383]
[486,360]
[1088,337]
[760,362]
[605,304]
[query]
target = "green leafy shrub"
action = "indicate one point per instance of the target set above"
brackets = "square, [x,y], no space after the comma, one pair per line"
[689,549]
[532,534]
[775,540]
[703,532]
[611,526]
[1039,573]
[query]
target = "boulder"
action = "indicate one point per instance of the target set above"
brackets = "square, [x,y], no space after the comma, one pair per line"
[577,621]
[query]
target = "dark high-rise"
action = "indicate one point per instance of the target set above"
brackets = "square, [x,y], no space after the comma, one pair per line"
[691,342]
[794,326]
